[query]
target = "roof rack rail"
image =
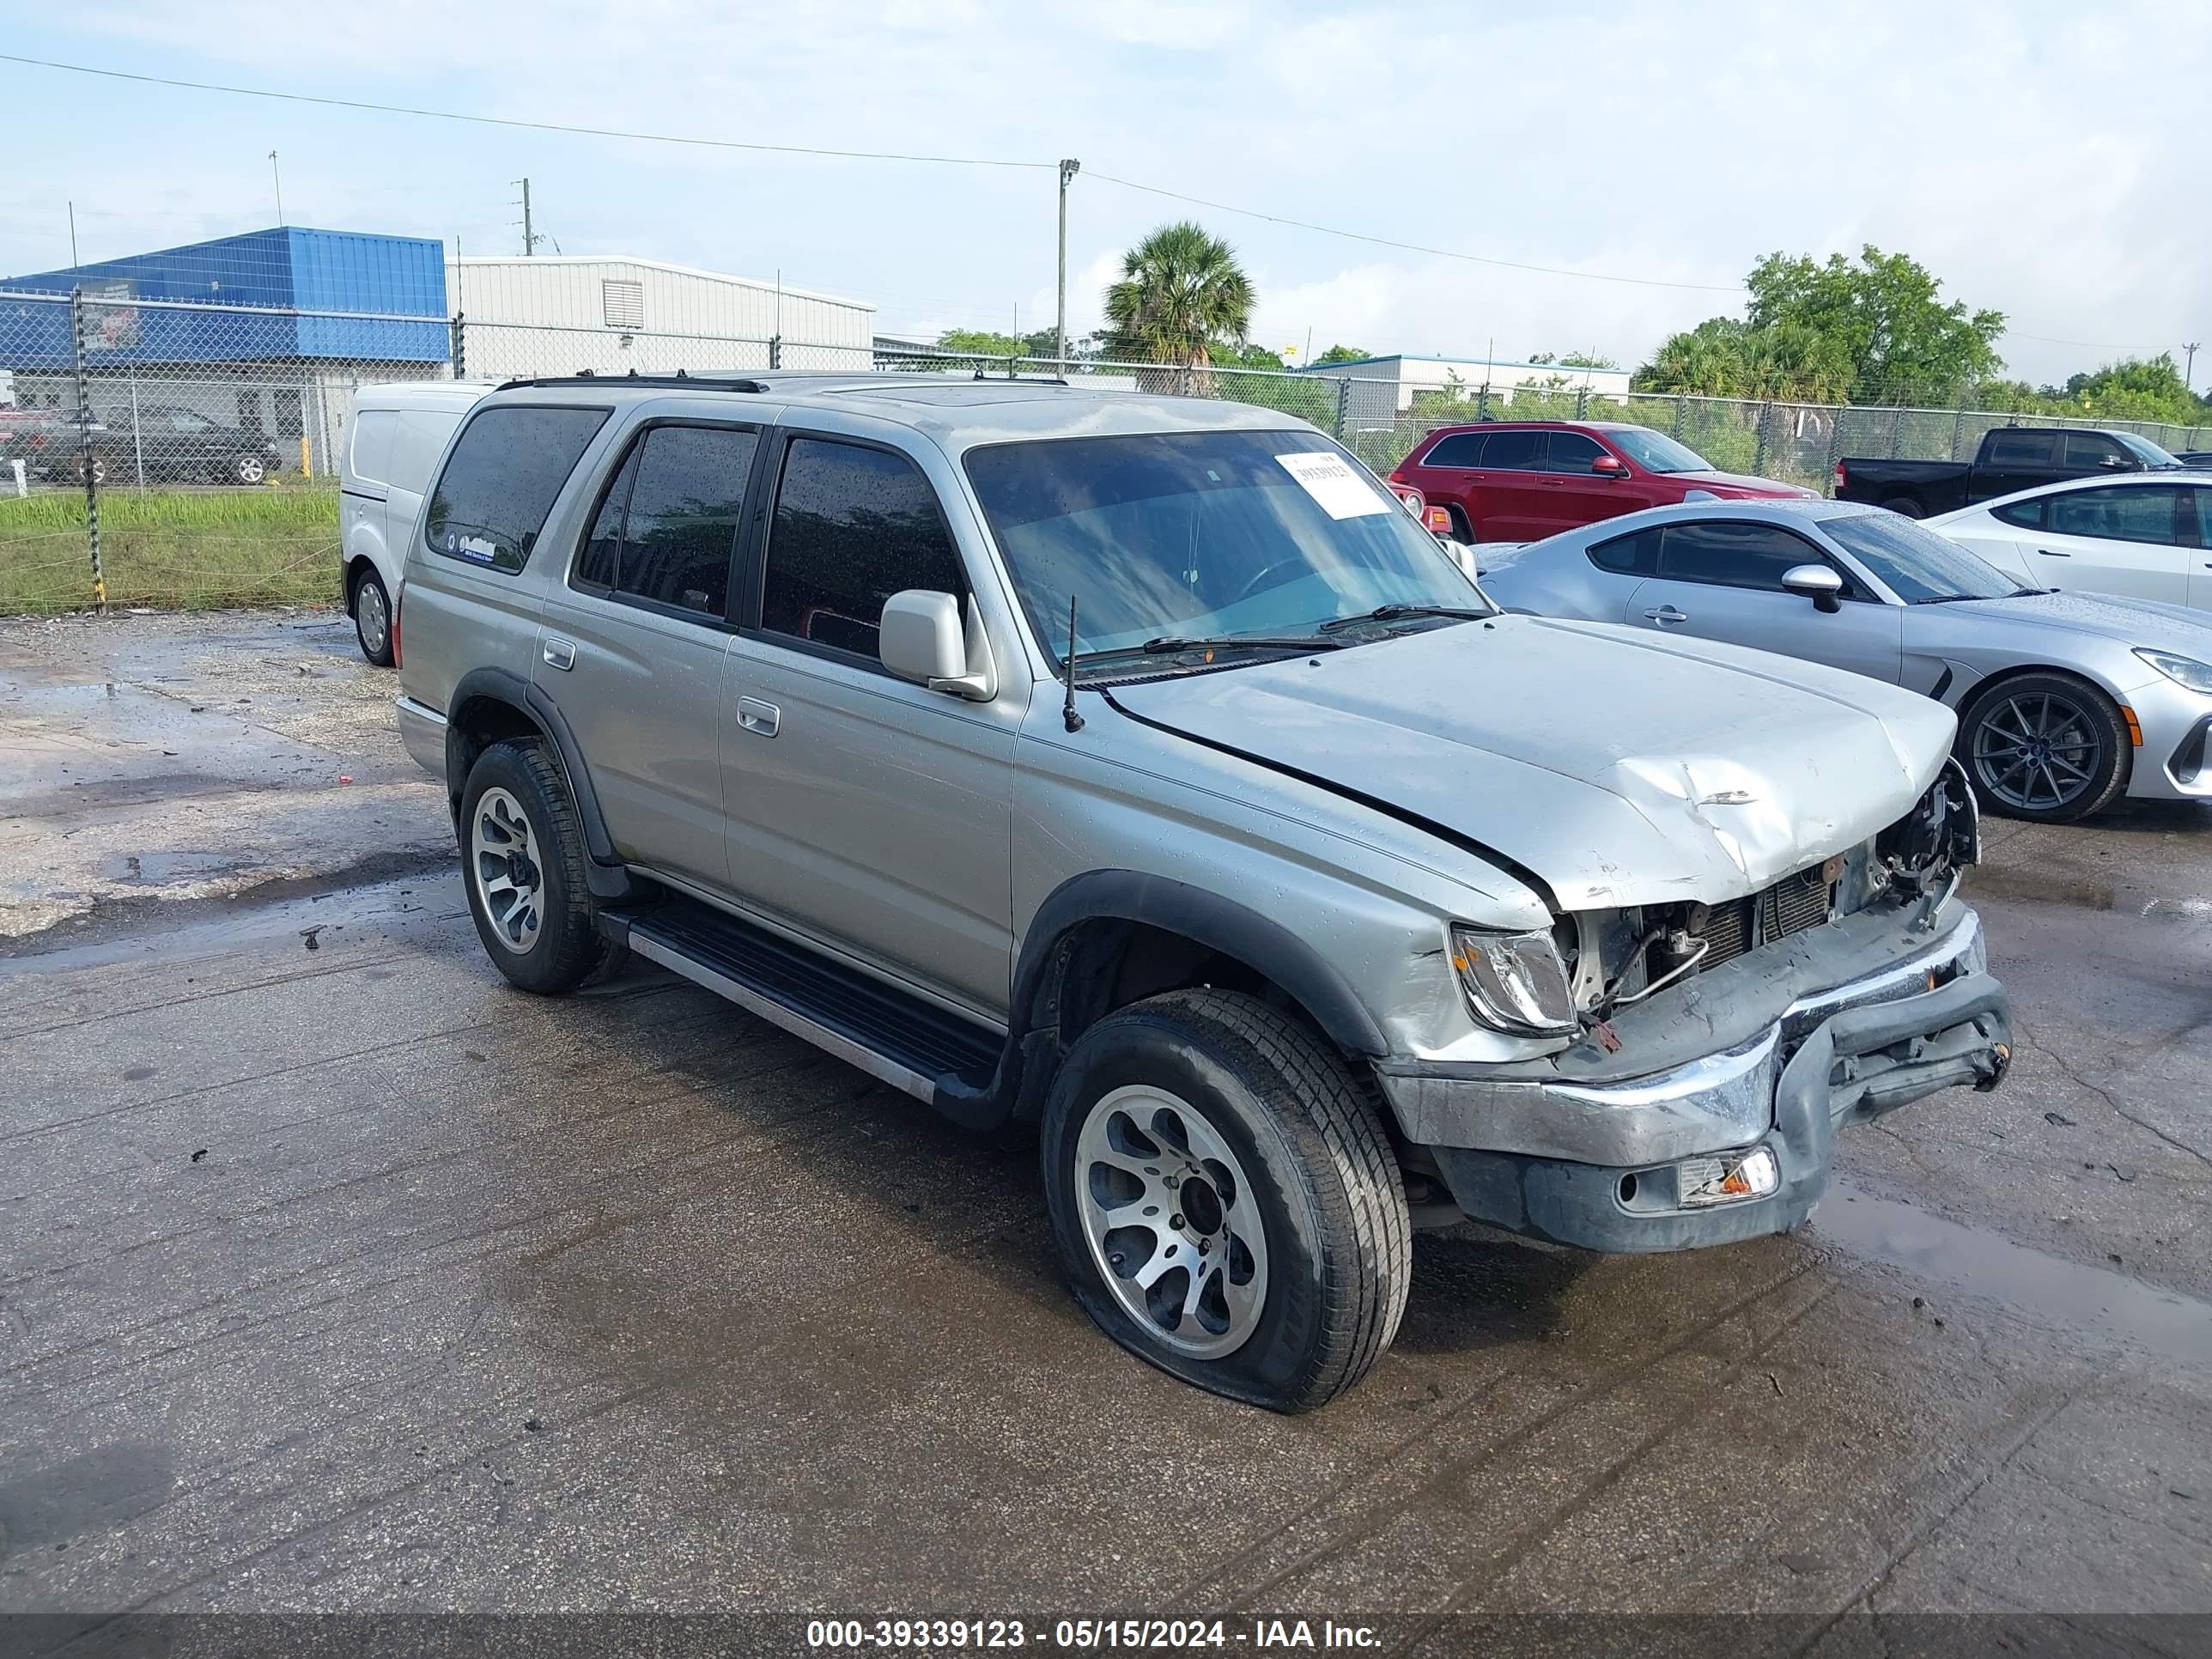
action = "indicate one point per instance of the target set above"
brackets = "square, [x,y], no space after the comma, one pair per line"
[709,382]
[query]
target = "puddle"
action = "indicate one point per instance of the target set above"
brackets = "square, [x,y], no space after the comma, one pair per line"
[159,869]
[383,905]
[2046,1289]
[2041,886]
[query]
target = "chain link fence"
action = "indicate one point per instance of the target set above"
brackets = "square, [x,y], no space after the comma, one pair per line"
[166,452]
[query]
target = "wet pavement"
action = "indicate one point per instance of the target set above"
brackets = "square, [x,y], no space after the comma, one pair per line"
[348,1278]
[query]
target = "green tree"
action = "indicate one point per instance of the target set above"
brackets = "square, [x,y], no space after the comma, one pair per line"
[1344,354]
[1723,357]
[1905,344]
[982,343]
[1181,292]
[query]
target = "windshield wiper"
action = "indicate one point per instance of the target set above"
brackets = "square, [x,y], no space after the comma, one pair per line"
[1950,599]
[1393,612]
[1169,644]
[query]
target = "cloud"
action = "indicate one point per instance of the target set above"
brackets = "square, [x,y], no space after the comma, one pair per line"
[2032,161]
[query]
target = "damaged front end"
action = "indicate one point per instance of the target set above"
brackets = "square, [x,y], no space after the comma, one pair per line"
[1711,1049]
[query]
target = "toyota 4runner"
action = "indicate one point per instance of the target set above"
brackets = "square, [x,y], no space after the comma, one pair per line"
[1133,769]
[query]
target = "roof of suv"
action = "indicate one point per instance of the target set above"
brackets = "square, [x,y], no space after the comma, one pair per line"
[959,411]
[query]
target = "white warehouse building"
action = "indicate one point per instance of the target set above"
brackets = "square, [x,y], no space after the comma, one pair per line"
[1386,386]
[609,314]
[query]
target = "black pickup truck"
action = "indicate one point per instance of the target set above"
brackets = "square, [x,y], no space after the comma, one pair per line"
[2011,458]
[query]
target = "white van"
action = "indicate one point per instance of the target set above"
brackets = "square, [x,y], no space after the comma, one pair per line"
[398,432]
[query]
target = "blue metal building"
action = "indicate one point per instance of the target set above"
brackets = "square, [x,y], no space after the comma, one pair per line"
[274,295]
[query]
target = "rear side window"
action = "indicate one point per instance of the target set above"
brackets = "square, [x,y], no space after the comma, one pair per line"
[2120,514]
[1460,449]
[372,445]
[2028,516]
[2019,448]
[853,526]
[667,527]
[501,480]
[1514,452]
[1571,451]
[1629,555]
[1734,555]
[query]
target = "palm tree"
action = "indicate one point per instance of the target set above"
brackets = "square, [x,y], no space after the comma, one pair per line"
[1181,291]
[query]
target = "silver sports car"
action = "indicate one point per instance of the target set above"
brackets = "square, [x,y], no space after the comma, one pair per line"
[2065,701]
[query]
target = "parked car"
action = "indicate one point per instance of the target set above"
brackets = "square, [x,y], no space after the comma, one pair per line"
[2065,702]
[2195,459]
[391,449]
[2144,535]
[1134,768]
[2010,459]
[1516,481]
[167,443]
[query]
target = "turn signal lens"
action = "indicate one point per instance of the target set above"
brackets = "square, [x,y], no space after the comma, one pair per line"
[1514,982]
[1705,1180]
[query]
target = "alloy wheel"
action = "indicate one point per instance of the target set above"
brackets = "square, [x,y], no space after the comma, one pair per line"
[503,864]
[1174,1226]
[2038,751]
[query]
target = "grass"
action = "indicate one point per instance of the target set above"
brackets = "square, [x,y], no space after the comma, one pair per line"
[178,549]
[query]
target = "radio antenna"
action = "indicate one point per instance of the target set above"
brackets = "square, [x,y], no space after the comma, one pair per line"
[1072,721]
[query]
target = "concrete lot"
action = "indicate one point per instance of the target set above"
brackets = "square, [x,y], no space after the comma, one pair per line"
[334,1275]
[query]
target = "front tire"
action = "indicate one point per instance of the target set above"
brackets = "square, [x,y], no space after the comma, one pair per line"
[523,852]
[1224,1198]
[371,618]
[2047,748]
[249,469]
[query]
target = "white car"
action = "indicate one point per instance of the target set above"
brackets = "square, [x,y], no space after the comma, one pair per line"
[2142,536]
[398,432]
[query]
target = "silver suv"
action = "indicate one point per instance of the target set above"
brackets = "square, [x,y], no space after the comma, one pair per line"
[1134,770]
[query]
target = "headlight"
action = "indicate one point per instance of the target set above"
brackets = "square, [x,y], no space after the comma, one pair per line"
[1514,982]
[2182,671]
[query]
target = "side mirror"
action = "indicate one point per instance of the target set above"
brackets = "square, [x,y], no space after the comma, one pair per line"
[921,638]
[2116,463]
[1609,466]
[1816,582]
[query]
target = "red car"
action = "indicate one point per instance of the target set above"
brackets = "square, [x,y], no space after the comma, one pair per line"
[1519,481]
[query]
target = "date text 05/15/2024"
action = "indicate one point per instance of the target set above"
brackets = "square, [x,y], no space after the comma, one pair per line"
[1086,1635]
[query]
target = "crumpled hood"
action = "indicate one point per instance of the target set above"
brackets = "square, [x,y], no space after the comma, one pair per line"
[1621,767]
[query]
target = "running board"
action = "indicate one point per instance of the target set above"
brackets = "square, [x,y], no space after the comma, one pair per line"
[907,1042]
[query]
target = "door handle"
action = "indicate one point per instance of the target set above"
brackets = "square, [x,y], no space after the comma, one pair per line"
[560,654]
[2048,554]
[757,717]
[1665,616]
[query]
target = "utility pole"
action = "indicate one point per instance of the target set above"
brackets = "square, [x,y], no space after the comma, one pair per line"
[1068,171]
[2189,374]
[279,179]
[73,259]
[529,235]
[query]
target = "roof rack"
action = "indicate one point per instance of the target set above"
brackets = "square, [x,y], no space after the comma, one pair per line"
[710,382]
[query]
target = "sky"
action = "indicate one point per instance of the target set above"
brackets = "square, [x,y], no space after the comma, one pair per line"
[2043,160]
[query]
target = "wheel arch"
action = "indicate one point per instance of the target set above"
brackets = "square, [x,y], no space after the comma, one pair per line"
[493,705]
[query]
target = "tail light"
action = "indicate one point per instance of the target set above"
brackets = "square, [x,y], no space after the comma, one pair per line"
[1438,520]
[1839,477]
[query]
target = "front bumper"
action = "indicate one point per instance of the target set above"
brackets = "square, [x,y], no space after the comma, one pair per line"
[2175,760]
[1598,1163]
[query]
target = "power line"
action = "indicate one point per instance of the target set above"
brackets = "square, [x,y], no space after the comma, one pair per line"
[530,126]
[1414,247]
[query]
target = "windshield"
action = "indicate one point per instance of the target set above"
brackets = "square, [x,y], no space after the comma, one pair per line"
[2145,451]
[1202,535]
[1654,451]
[1917,564]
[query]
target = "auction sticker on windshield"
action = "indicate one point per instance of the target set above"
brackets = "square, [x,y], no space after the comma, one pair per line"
[1342,492]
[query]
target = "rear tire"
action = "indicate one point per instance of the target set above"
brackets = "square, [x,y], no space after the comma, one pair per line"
[249,469]
[523,853]
[1207,1127]
[1906,507]
[1462,527]
[371,618]
[2047,748]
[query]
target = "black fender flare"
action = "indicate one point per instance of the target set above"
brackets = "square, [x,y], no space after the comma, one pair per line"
[609,876]
[1205,918]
